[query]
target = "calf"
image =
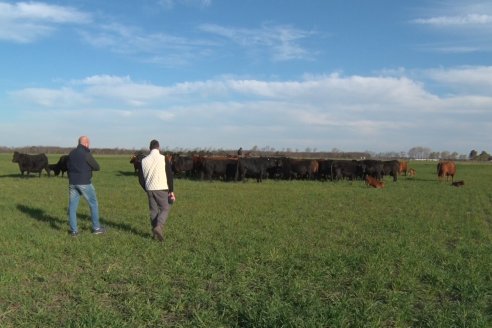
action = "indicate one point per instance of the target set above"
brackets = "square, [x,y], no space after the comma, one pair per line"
[412,172]
[459,183]
[60,166]
[373,182]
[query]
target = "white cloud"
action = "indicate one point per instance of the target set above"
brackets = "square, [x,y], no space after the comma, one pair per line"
[282,42]
[25,22]
[333,107]
[464,20]
[170,4]
[476,80]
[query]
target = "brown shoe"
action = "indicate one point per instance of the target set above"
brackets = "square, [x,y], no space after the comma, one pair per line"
[157,231]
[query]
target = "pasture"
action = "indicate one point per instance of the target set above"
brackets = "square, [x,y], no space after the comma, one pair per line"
[417,253]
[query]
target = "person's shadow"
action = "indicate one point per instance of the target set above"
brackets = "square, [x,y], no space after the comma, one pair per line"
[59,224]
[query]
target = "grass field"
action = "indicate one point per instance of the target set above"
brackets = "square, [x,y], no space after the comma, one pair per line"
[278,254]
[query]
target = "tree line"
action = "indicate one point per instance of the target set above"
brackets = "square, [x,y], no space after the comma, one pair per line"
[418,152]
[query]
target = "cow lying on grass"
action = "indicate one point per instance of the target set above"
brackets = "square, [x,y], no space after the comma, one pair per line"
[460,183]
[412,172]
[373,182]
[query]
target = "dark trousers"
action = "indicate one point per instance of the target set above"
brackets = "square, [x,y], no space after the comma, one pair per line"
[158,206]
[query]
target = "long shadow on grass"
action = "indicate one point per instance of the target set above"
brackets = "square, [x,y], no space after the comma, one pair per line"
[40,215]
[58,224]
[18,175]
[118,225]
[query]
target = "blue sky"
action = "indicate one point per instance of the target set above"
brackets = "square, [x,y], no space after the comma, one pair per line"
[354,75]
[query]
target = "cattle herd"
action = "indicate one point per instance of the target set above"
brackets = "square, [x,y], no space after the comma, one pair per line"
[232,168]
[239,168]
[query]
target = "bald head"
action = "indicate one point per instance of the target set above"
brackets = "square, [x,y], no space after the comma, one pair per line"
[84,141]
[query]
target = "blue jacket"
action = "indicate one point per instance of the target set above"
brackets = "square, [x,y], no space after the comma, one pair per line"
[80,165]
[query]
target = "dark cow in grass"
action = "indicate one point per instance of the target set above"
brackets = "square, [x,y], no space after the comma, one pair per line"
[183,165]
[373,167]
[346,169]
[219,168]
[60,166]
[254,167]
[391,168]
[136,160]
[293,168]
[31,163]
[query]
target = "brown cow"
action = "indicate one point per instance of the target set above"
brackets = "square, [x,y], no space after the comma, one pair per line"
[373,182]
[403,167]
[446,169]
[412,172]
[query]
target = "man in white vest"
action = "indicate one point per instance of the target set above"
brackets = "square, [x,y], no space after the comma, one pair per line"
[156,177]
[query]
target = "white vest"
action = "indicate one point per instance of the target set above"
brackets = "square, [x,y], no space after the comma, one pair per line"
[154,171]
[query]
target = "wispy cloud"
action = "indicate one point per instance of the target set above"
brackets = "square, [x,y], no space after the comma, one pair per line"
[170,4]
[26,22]
[463,26]
[282,42]
[158,48]
[465,20]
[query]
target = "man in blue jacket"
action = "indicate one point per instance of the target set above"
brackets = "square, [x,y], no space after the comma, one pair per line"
[80,165]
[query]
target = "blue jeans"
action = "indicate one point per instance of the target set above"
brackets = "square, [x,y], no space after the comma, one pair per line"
[89,193]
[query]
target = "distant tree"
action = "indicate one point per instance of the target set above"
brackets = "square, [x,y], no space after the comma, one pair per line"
[419,152]
[473,154]
[434,155]
[445,154]
[454,155]
[484,156]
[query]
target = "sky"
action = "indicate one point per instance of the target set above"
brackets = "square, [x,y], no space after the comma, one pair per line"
[351,75]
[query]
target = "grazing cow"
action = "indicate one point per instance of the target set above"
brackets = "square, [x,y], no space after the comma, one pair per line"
[373,168]
[446,169]
[403,167]
[60,166]
[31,163]
[459,183]
[412,172]
[391,168]
[136,160]
[254,167]
[350,169]
[373,182]
[219,167]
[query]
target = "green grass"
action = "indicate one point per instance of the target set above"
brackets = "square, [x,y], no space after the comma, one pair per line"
[278,254]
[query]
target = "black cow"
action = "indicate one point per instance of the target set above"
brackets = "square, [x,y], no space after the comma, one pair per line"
[31,163]
[324,169]
[391,168]
[136,160]
[373,167]
[220,168]
[346,169]
[298,168]
[254,167]
[182,165]
[60,166]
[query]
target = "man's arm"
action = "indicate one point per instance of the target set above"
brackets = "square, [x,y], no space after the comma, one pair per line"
[169,176]
[92,162]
